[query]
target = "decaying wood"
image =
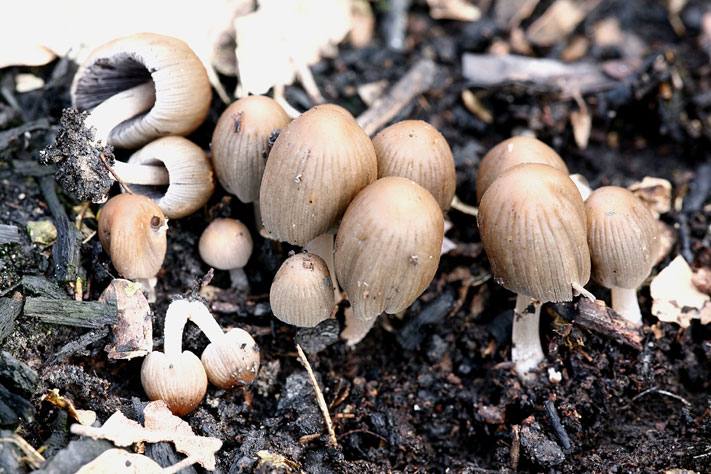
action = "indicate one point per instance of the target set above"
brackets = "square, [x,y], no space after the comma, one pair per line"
[597,317]
[39,285]
[10,309]
[416,81]
[9,234]
[8,136]
[133,335]
[86,314]
[76,345]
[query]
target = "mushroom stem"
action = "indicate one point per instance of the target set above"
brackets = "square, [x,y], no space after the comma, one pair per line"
[258,222]
[526,350]
[323,247]
[239,279]
[356,329]
[625,303]
[119,108]
[175,318]
[203,318]
[148,286]
[141,174]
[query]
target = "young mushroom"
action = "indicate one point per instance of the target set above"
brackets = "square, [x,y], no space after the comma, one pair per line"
[388,246]
[511,152]
[624,243]
[416,150]
[302,291]
[532,224]
[227,245]
[175,376]
[132,230]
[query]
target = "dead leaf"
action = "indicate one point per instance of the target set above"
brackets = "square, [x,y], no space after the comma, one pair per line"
[582,124]
[558,21]
[462,10]
[85,417]
[275,460]
[675,299]
[161,425]
[120,461]
[133,335]
[655,193]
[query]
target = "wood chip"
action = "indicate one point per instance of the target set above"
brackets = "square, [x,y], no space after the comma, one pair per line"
[86,314]
[558,21]
[133,335]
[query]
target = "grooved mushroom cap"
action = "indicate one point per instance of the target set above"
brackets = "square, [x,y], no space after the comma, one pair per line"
[240,144]
[302,291]
[225,244]
[180,383]
[532,225]
[623,237]
[511,152]
[232,361]
[388,246]
[132,231]
[416,150]
[317,165]
[182,88]
[191,181]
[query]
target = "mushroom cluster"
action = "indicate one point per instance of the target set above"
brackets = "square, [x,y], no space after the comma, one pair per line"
[542,239]
[179,377]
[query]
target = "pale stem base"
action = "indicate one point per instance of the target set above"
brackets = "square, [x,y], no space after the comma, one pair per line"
[526,350]
[239,280]
[148,286]
[356,329]
[625,303]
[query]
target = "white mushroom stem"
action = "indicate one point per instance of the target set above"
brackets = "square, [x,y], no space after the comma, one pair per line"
[119,108]
[175,318]
[239,279]
[625,303]
[323,247]
[356,329]
[203,318]
[148,286]
[526,350]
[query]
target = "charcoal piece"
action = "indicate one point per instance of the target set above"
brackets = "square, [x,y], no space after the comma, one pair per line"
[10,308]
[416,329]
[539,448]
[77,453]
[316,339]
[86,314]
[41,286]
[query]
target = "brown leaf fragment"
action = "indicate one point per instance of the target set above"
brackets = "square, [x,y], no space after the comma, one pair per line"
[120,461]
[133,335]
[558,21]
[85,417]
[462,10]
[675,299]
[655,193]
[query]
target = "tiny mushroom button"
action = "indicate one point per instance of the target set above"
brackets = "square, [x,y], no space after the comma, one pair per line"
[227,245]
[624,243]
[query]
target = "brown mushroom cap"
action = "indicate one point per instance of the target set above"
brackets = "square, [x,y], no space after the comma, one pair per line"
[240,144]
[302,291]
[132,231]
[180,383]
[511,152]
[317,165]
[232,361]
[532,225]
[416,150]
[388,246]
[182,88]
[189,170]
[623,237]
[225,244]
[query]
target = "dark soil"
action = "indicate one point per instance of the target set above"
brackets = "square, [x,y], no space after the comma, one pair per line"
[430,390]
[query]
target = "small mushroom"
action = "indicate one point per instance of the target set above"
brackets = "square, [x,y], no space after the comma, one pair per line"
[132,230]
[511,152]
[175,376]
[240,144]
[190,182]
[416,150]
[623,237]
[231,359]
[226,244]
[317,165]
[532,224]
[388,246]
[302,291]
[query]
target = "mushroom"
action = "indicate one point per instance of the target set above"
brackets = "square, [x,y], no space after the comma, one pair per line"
[532,224]
[227,245]
[132,230]
[416,150]
[240,144]
[388,246]
[511,152]
[623,237]
[190,182]
[137,88]
[231,359]
[302,291]
[175,376]
[317,165]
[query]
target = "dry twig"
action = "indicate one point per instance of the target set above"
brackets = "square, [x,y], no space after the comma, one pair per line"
[319,397]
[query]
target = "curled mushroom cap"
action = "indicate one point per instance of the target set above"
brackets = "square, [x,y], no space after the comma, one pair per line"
[240,144]
[180,381]
[317,165]
[511,152]
[226,244]
[182,88]
[623,237]
[532,225]
[190,180]
[231,360]
[416,150]
[132,230]
[302,291]
[388,246]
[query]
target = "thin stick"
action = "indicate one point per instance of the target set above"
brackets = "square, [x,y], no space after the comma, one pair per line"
[113,173]
[319,397]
